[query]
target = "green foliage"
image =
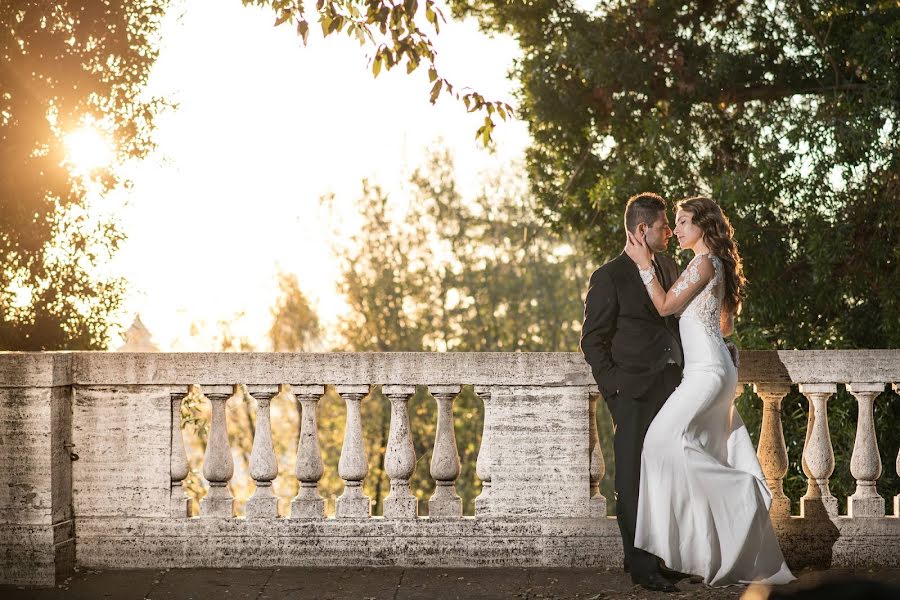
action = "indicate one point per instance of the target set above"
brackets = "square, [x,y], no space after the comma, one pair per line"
[60,64]
[295,324]
[476,275]
[784,113]
[395,31]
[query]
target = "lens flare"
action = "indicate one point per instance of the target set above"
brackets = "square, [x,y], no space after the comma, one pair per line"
[87,149]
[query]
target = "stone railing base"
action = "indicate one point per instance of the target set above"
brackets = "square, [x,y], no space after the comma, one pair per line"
[44,554]
[128,543]
[123,543]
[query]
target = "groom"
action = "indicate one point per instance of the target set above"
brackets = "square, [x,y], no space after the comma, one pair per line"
[636,357]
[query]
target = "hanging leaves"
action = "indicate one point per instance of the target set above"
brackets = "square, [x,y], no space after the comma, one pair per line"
[393,28]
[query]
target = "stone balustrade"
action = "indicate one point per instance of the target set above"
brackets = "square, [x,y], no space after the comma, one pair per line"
[122,505]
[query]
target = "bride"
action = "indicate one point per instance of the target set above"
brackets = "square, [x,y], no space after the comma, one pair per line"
[703,506]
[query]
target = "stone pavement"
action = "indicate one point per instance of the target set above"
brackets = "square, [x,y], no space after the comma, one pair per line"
[392,584]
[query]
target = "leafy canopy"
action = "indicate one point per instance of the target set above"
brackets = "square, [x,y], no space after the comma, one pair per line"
[785,113]
[295,324]
[63,66]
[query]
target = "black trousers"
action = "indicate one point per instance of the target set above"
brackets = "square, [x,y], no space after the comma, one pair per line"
[632,418]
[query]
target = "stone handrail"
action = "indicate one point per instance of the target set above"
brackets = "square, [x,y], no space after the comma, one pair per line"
[121,503]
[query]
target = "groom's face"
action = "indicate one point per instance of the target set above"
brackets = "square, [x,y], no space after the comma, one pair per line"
[658,233]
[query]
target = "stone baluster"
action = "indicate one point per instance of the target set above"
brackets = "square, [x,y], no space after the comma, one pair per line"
[180,503]
[308,504]
[353,465]
[772,451]
[896,388]
[218,466]
[445,465]
[897,497]
[400,456]
[483,462]
[597,465]
[818,454]
[263,463]
[865,464]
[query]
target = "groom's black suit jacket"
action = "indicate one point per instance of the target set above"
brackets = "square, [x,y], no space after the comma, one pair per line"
[623,338]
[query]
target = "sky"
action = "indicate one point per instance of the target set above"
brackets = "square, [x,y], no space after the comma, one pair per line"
[262,130]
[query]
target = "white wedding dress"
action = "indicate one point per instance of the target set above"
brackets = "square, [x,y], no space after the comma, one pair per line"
[703,506]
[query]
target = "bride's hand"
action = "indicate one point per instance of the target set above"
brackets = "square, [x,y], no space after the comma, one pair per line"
[637,250]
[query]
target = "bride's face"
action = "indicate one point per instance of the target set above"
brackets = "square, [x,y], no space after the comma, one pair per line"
[687,233]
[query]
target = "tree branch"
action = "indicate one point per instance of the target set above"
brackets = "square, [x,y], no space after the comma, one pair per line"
[777,92]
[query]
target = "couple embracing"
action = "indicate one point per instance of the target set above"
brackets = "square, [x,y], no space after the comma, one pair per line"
[691,497]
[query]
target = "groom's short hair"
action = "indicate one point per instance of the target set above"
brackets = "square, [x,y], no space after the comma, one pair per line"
[643,208]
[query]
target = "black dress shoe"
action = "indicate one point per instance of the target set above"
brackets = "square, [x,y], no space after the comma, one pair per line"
[653,582]
[671,575]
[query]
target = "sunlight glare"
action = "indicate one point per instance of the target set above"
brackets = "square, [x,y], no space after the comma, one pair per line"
[87,149]
[22,296]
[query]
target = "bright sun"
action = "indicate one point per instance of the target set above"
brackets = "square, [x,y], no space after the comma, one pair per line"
[87,149]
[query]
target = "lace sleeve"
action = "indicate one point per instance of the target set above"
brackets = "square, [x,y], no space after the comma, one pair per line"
[694,278]
[691,275]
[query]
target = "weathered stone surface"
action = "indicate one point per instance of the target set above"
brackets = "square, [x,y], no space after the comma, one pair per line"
[308,504]
[446,368]
[865,463]
[37,544]
[222,543]
[26,462]
[179,468]
[62,512]
[400,460]
[218,502]
[772,450]
[360,368]
[124,543]
[597,502]
[36,369]
[218,466]
[27,554]
[539,452]
[483,462]
[263,504]
[819,366]
[839,542]
[353,465]
[263,464]
[536,451]
[818,454]
[123,438]
[445,466]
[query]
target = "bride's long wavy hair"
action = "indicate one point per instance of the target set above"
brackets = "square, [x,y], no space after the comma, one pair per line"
[719,237]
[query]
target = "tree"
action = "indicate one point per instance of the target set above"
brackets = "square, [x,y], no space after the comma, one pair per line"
[470,275]
[785,114]
[66,66]
[295,324]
